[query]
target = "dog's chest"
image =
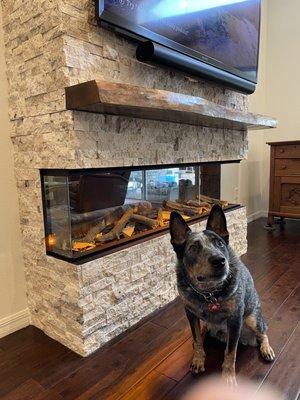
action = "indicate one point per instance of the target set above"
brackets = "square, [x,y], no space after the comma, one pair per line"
[215,312]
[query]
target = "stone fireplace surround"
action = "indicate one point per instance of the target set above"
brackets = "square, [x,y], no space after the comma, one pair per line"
[54,44]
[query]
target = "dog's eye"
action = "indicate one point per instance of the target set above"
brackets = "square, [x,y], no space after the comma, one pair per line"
[194,248]
[220,243]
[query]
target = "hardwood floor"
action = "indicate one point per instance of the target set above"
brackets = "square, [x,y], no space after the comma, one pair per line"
[151,362]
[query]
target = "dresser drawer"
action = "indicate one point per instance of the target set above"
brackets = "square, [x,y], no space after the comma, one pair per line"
[286,197]
[288,151]
[287,167]
[284,200]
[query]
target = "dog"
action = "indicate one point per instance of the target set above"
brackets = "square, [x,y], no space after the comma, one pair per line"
[218,292]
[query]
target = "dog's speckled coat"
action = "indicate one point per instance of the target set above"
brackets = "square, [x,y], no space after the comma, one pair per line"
[217,290]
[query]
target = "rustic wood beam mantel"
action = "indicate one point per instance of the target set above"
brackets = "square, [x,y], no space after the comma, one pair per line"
[160,105]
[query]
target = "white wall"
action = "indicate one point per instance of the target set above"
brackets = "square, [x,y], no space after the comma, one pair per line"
[283,78]
[250,170]
[13,302]
[277,95]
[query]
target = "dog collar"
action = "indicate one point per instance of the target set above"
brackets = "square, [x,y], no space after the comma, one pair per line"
[209,297]
[214,307]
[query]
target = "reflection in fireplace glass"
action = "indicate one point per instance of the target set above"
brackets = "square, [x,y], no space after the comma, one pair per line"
[91,211]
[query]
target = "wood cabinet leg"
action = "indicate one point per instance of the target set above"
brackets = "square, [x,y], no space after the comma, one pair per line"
[270,223]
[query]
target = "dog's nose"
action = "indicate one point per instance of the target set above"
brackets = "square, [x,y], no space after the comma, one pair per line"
[218,261]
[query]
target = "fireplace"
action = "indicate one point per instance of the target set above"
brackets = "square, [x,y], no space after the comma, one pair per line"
[160,117]
[91,213]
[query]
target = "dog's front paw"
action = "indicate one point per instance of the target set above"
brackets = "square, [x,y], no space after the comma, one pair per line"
[229,378]
[197,365]
[267,352]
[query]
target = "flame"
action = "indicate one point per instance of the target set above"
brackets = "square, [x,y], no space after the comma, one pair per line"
[51,240]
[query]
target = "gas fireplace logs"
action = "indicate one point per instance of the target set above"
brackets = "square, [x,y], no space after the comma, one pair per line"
[212,201]
[116,231]
[151,223]
[185,208]
[132,219]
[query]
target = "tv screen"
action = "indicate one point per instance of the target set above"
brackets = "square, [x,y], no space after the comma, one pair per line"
[222,33]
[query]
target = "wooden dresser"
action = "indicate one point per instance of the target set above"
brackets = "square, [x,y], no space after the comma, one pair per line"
[284,199]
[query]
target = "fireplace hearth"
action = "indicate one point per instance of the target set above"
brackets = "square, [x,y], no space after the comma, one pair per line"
[94,212]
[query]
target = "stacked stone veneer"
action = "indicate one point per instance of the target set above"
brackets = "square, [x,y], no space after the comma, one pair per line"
[52,44]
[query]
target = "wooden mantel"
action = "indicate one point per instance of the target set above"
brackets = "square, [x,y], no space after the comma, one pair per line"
[161,105]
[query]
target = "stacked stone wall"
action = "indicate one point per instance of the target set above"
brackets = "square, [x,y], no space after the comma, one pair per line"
[53,44]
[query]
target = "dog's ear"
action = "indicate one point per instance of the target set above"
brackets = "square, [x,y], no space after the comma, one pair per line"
[217,222]
[179,229]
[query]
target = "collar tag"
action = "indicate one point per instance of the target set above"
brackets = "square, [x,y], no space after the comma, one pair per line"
[214,307]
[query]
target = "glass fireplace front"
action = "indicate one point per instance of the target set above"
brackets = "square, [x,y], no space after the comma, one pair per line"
[89,213]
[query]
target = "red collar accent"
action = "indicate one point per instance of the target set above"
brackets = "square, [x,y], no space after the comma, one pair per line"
[214,307]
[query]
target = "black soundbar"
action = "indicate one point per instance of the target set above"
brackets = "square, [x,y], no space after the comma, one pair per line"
[153,52]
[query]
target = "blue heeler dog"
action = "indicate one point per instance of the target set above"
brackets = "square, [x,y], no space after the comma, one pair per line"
[218,292]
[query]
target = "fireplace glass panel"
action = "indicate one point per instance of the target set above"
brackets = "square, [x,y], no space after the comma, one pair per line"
[96,211]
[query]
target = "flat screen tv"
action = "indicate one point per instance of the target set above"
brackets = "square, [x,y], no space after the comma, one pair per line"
[217,38]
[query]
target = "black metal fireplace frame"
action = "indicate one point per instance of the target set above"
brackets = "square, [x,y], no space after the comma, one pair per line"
[139,238]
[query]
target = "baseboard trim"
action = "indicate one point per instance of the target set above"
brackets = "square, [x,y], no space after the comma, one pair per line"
[257,215]
[14,322]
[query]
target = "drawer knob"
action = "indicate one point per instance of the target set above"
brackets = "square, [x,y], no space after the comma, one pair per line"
[283,167]
[281,150]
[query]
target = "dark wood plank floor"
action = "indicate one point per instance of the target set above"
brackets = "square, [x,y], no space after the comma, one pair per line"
[151,362]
